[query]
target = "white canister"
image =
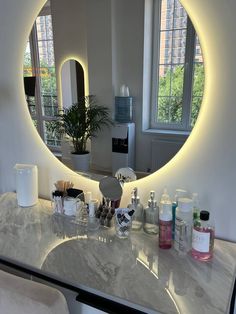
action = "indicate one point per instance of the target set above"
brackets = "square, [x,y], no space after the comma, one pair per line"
[26,184]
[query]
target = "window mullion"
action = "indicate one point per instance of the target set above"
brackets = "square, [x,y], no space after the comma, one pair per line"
[36,72]
[155,60]
[188,74]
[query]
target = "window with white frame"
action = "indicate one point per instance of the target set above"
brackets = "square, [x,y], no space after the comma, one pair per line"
[39,62]
[178,70]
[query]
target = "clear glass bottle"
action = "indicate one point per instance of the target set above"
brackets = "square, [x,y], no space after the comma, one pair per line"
[183,225]
[165,226]
[203,238]
[151,216]
[137,218]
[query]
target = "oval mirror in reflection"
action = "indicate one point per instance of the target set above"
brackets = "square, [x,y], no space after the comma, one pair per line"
[72,82]
[177,86]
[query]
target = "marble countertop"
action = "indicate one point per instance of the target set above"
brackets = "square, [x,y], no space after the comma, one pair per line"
[133,270]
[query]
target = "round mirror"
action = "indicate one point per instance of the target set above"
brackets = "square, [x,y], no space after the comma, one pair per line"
[107,48]
[110,188]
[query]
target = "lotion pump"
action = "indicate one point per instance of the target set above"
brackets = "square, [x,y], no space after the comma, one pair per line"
[137,218]
[151,216]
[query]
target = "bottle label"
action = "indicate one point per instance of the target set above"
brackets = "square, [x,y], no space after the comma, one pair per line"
[183,235]
[201,241]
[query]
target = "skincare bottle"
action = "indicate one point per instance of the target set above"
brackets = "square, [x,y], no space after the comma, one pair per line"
[151,215]
[203,238]
[183,225]
[165,226]
[179,193]
[137,218]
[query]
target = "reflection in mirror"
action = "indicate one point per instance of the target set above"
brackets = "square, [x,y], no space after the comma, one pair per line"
[177,81]
[125,175]
[72,82]
[39,63]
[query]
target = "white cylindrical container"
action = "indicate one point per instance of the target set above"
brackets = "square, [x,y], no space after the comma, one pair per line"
[26,184]
[183,225]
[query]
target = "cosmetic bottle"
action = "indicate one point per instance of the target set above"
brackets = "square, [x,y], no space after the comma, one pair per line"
[196,207]
[151,215]
[183,225]
[165,226]
[137,218]
[203,238]
[179,193]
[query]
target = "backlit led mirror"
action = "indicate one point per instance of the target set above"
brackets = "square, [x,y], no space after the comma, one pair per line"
[109,42]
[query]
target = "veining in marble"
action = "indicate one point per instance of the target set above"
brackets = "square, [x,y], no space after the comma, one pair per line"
[133,270]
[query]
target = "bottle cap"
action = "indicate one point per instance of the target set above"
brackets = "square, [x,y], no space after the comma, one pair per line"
[185,204]
[131,212]
[165,216]
[204,215]
[180,193]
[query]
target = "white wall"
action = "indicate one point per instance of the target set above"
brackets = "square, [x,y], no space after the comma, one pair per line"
[205,164]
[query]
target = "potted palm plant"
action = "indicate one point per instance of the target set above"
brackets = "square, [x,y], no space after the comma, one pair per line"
[82,121]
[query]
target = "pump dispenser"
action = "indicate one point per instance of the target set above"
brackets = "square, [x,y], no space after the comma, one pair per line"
[137,218]
[151,216]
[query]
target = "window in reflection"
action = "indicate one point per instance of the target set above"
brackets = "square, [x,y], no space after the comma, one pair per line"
[39,62]
[178,78]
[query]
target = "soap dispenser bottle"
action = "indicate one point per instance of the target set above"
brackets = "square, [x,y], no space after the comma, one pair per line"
[137,218]
[151,216]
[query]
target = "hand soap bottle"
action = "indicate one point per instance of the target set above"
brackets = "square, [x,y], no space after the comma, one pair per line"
[203,238]
[151,216]
[137,218]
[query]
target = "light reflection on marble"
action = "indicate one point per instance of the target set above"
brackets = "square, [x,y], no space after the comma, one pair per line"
[133,270]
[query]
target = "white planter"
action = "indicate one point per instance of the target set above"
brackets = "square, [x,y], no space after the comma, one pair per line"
[81,162]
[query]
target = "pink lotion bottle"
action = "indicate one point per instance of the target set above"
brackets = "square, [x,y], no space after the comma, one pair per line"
[203,238]
[165,226]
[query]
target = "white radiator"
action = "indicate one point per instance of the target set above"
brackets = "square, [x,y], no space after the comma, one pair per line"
[162,150]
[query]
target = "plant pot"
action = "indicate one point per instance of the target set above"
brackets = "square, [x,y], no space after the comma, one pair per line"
[81,162]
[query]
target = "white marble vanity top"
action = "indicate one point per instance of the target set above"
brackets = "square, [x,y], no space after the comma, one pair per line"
[133,270]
